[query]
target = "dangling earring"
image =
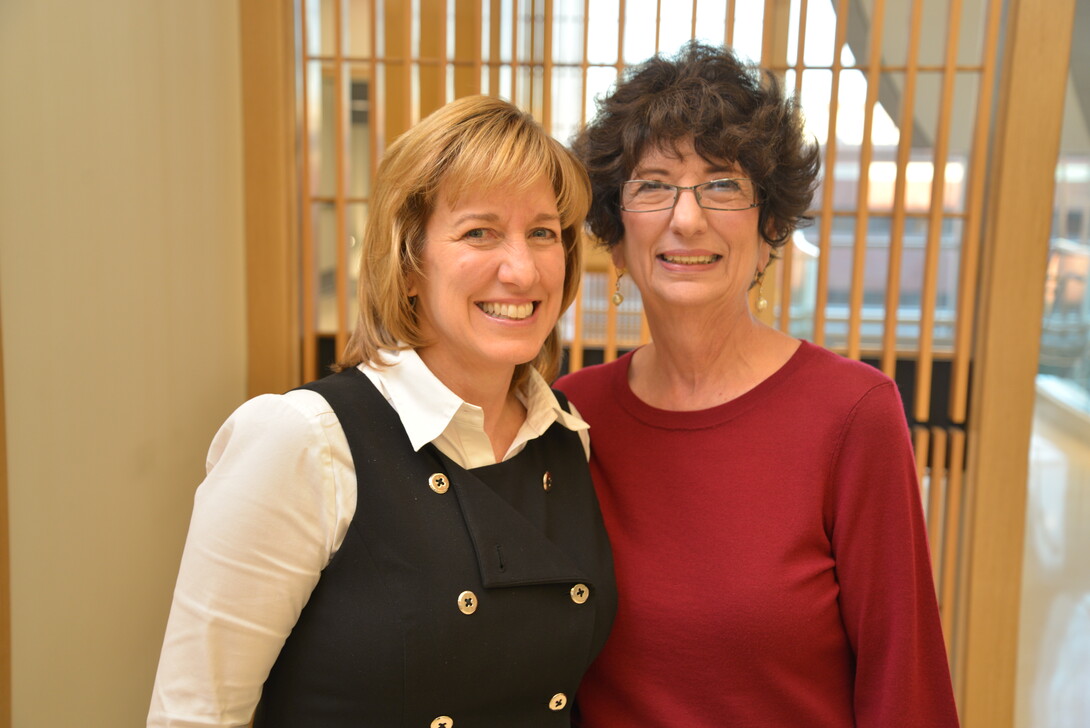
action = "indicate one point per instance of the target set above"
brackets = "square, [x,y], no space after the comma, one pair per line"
[762,302]
[618,297]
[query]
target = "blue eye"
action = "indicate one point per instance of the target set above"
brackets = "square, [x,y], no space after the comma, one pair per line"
[544,233]
[476,233]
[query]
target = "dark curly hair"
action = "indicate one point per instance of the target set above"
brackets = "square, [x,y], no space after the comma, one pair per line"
[733,111]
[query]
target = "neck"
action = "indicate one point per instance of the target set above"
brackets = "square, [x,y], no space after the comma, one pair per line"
[489,390]
[699,361]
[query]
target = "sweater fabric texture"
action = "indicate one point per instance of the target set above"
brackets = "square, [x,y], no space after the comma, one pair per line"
[771,556]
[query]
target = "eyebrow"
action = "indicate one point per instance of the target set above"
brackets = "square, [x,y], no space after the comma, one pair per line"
[494,217]
[640,172]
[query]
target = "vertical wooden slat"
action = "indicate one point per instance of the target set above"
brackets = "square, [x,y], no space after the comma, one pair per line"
[547,69]
[622,11]
[970,246]
[728,31]
[924,361]
[921,442]
[825,237]
[468,21]
[5,559]
[788,251]
[862,210]
[897,223]
[514,50]
[952,544]
[692,24]
[376,121]
[936,499]
[270,195]
[575,346]
[495,57]
[309,295]
[340,110]
[478,43]
[775,31]
[1008,329]
[432,72]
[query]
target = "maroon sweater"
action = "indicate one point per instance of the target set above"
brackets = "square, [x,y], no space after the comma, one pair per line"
[771,556]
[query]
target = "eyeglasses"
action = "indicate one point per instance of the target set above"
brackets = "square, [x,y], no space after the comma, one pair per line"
[645,195]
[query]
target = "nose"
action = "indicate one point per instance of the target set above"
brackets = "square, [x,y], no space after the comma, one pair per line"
[518,268]
[688,217]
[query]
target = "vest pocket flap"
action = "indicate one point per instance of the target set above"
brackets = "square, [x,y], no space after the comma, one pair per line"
[511,550]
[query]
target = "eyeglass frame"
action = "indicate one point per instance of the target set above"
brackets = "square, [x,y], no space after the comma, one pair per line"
[678,189]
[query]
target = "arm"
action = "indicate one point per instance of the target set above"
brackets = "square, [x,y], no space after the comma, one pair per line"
[883,565]
[265,522]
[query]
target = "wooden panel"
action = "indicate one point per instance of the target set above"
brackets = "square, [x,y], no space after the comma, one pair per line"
[5,559]
[897,226]
[925,357]
[970,252]
[270,196]
[828,164]
[862,210]
[951,588]
[1006,351]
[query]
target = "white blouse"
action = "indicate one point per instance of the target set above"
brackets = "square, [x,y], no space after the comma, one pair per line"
[279,495]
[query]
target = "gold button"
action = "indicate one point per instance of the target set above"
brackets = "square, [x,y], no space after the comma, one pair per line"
[547,480]
[558,702]
[443,721]
[580,593]
[467,602]
[439,483]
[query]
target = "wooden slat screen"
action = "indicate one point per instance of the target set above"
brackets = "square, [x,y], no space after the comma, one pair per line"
[898,92]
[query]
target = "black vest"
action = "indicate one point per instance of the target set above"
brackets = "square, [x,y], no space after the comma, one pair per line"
[459,598]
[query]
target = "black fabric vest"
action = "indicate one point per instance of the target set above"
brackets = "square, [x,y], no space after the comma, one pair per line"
[383,640]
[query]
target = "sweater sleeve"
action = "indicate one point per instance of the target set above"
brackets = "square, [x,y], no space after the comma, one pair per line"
[265,522]
[883,566]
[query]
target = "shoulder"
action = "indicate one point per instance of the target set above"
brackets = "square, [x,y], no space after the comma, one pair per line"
[836,381]
[592,381]
[275,424]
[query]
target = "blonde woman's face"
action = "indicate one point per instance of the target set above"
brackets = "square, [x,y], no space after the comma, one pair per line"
[491,282]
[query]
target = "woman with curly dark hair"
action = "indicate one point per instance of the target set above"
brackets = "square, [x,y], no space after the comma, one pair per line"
[759,491]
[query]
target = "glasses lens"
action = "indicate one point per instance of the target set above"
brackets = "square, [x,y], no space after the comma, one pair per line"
[640,194]
[727,194]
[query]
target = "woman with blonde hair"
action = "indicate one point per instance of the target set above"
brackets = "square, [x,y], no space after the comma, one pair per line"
[414,540]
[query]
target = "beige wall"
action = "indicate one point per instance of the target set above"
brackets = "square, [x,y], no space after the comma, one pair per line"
[121,276]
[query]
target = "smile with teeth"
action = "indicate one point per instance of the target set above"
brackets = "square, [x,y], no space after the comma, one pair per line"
[513,311]
[690,259]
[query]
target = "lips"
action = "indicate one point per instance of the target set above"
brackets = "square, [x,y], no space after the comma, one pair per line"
[510,311]
[690,259]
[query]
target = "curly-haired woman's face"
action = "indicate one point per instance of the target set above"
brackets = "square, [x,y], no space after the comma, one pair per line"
[690,256]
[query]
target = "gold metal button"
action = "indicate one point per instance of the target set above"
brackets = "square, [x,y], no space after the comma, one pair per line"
[467,602]
[547,480]
[558,702]
[443,721]
[439,483]
[580,593]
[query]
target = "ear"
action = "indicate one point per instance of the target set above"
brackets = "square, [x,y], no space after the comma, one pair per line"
[617,254]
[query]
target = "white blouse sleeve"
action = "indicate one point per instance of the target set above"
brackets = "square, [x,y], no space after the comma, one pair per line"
[277,500]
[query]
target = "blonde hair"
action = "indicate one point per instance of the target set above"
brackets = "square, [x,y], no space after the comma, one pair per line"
[475,143]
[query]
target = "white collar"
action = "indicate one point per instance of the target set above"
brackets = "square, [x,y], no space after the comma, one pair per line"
[427,408]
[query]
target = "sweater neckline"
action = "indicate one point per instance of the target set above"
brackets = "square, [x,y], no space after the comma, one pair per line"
[712,416]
